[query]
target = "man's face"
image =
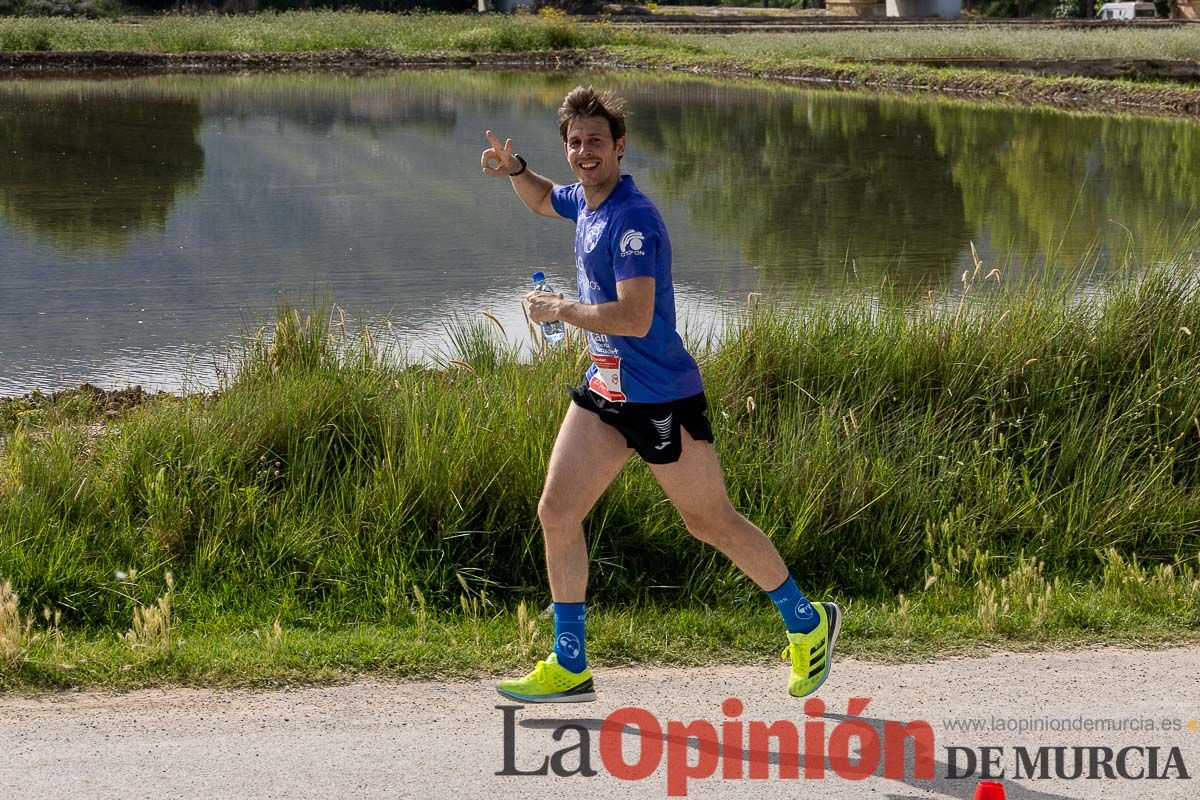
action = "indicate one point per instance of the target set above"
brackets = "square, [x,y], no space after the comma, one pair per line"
[592,153]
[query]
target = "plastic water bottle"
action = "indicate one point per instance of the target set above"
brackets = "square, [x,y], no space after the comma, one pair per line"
[552,332]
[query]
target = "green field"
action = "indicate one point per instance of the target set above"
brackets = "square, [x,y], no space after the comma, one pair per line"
[1010,464]
[427,33]
[312,30]
[976,41]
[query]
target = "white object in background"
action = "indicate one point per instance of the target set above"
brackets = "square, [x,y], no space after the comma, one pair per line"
[1138,10]
[947,9]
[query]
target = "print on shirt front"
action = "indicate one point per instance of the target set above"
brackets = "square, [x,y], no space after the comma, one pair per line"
[625,238]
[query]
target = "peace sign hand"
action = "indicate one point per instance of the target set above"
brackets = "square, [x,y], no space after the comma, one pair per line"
[505,162]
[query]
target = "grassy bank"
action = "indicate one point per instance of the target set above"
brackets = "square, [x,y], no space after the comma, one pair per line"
[974,42]
[426,33]
[1007,464]
[261,653]
[296,31]
[334,40]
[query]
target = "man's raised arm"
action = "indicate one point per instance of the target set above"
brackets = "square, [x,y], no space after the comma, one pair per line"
[533,189]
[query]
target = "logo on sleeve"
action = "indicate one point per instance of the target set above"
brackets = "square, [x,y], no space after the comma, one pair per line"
[631,243]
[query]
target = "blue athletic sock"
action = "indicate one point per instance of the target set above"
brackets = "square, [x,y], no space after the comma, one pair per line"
[798,614]
[568,635]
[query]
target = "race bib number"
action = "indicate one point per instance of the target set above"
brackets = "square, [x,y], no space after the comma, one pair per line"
[607,380]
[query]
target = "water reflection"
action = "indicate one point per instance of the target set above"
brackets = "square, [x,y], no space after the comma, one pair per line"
[144,222]
[810,185]
[1054,182]
[85,169]
[327,105]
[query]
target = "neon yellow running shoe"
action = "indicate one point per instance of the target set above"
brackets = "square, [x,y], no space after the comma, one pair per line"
[812,653]
[550,683]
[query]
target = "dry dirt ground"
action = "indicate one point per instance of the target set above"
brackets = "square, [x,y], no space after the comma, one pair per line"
[373,739]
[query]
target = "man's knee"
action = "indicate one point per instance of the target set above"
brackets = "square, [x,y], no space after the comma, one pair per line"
[556,513]
[715,524]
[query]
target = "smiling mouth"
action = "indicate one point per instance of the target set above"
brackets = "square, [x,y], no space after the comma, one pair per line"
[589,166]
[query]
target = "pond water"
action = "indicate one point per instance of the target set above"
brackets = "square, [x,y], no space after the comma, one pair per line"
[146,223]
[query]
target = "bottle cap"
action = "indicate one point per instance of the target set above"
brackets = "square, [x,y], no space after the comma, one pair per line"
[538,277]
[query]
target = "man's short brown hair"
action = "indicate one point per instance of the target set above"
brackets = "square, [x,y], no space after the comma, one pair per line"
[587,102]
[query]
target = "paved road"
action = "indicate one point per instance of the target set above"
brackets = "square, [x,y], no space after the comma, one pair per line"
[435,740]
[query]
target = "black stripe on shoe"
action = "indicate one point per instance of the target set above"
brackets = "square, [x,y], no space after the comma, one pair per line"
[818,662]
[833,619]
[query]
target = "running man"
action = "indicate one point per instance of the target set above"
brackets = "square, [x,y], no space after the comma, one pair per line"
[641,393]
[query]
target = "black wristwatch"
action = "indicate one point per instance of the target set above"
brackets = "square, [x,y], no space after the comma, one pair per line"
[517,156]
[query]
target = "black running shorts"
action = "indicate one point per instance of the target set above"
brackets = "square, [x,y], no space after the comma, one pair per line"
[652,429]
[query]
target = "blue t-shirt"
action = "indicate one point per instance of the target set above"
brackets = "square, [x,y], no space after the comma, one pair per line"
[626,238]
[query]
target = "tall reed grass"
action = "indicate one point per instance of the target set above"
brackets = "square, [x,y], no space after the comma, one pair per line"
[1031,431]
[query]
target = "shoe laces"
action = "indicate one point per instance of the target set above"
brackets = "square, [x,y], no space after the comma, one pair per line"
[538,670]
[797,648]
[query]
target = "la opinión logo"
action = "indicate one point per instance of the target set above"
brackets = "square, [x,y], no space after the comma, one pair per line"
[738,748]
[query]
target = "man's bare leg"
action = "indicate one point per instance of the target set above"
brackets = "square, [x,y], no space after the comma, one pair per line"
[695,485]
[587,456]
